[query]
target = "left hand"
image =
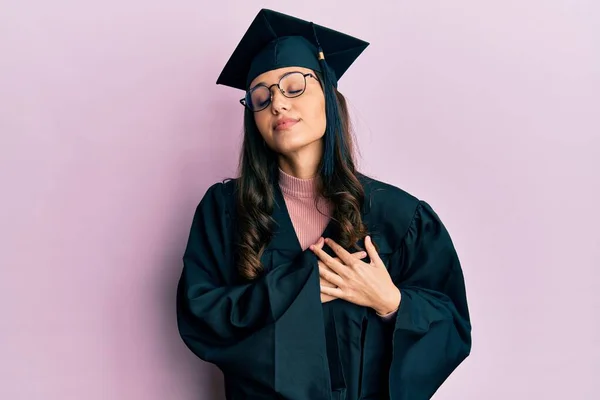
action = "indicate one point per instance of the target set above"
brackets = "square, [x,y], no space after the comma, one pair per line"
[361,283]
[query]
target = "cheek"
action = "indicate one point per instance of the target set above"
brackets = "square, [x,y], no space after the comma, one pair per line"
[316,112]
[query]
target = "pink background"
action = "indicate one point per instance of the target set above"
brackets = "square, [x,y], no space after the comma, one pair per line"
[112,128]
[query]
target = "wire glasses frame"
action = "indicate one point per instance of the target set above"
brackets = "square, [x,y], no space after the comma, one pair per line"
[247,101]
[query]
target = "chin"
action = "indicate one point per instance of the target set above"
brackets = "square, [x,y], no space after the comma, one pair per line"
[288,147]
[295,144]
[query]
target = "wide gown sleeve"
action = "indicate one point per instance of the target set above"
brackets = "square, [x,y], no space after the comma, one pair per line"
[432,333]
[266,333]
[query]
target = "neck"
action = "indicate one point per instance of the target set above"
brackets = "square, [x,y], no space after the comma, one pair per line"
[304,163]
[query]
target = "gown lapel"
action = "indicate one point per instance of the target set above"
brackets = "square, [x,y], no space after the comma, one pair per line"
[285,241]
[284,234]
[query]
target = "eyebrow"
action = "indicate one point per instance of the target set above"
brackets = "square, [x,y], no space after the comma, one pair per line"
[280,76]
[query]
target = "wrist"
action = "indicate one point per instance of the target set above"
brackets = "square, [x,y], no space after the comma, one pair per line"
[390,304]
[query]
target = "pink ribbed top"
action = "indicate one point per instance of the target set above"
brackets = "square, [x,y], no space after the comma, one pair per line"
[299,195]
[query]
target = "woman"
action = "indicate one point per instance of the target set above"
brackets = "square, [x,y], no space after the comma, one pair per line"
[304,279]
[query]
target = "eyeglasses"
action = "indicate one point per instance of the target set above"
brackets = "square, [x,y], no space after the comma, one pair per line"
[292,84]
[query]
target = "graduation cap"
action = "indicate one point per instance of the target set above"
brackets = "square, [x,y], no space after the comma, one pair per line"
[275,40]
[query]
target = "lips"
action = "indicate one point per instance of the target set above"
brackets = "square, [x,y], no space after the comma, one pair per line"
[284,123]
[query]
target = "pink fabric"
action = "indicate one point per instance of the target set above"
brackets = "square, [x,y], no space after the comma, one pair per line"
[300,194]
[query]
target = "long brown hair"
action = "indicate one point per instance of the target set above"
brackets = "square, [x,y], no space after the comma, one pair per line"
[255,199]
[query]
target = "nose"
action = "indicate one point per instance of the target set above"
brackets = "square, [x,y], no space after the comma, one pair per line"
[279,102]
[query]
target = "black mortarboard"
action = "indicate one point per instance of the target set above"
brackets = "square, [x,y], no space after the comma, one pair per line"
[276,40]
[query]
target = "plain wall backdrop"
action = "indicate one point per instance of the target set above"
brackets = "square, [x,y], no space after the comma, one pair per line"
[112,128]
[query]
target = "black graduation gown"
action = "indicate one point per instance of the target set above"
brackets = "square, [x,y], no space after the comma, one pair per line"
[274,339]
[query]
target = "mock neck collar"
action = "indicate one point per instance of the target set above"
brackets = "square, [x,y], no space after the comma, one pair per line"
[296,187]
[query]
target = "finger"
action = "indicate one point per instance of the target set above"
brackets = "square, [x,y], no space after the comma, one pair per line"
[326,299]
[335,292]
[331,277]
[323,282]
[373,255]
[320,243]
[323,265]
[359,256]
[332,263]
[342,253]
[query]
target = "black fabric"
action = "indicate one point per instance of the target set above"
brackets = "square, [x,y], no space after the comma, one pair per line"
[273,338]
[275,40]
